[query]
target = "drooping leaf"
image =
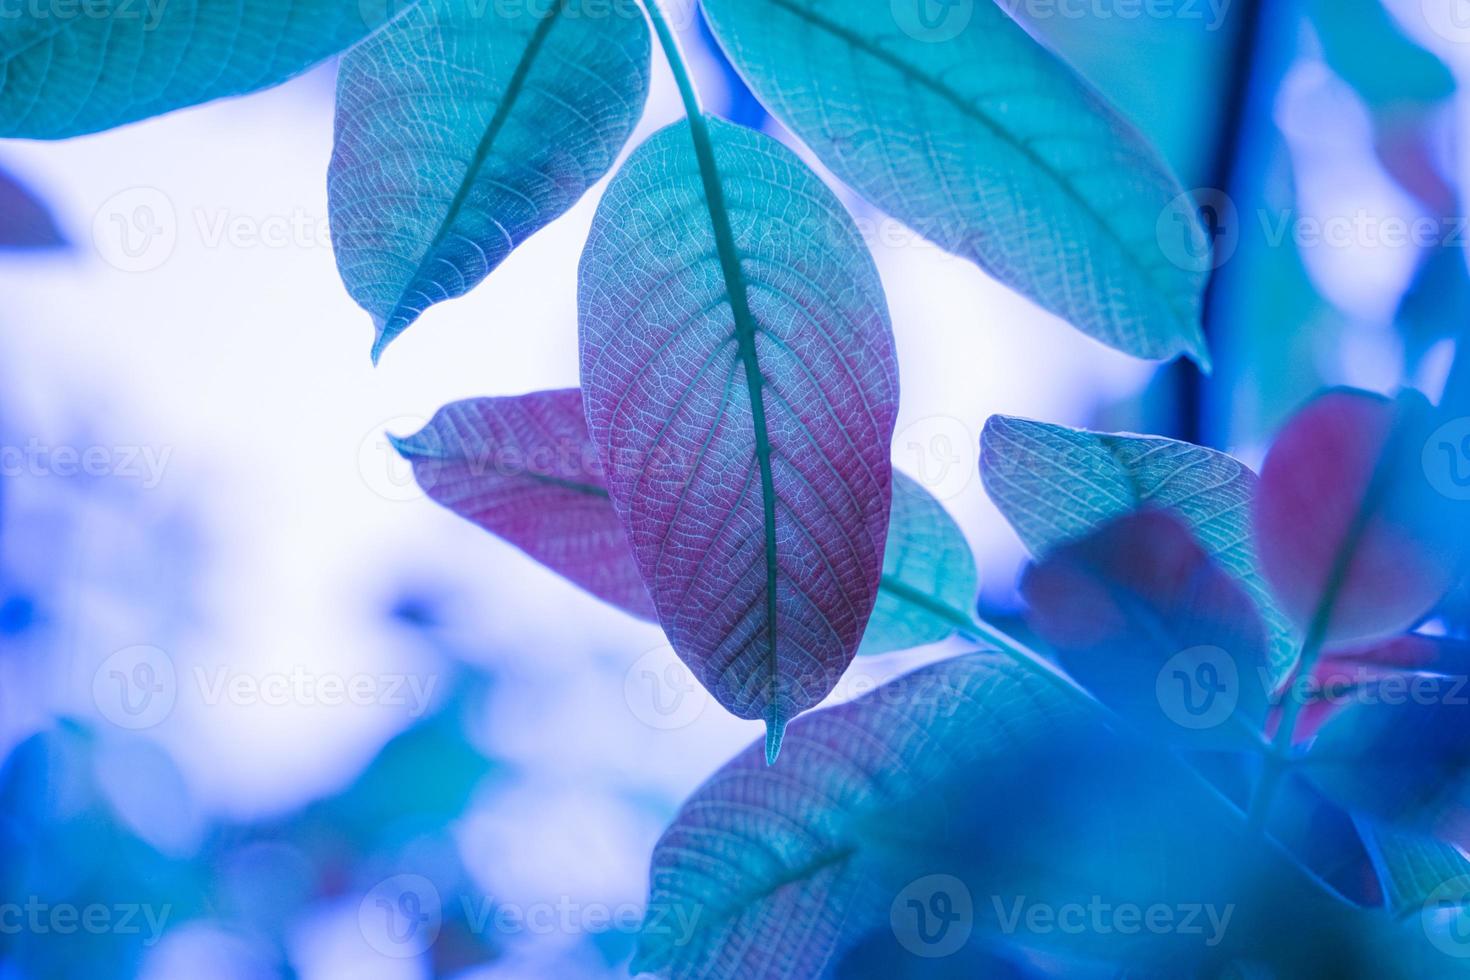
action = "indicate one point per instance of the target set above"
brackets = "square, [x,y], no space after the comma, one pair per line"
[1055,484]
[740,383]
[114,63]
[524,469]
[463,129]
[953,119]
[1141,617]
[1354,539]
[25,221]
[929,574]
[1403,760]
[929,817]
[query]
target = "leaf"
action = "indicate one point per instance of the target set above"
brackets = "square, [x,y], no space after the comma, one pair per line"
[929,575]
[1142,618]
[1353,538]
[1055,484]
[25,220]
[983,141]
[741,388]
[1402,760]
[109,64]
[525,470]
[1382,668]
[461,130]
[1413,868]
[970,788]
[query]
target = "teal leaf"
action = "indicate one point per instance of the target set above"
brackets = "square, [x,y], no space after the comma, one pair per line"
[929,576]
[1413,868]
[986,143]
[462,130]
[741,387]
[1055,485]
[68,75]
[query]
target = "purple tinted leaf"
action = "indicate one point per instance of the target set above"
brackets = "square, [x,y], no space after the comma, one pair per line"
[524,469]
[25,222]
[741,388]
[1141,617]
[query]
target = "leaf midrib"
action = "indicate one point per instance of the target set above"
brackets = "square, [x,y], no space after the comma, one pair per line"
[493,129]
[746,328]
[950,95]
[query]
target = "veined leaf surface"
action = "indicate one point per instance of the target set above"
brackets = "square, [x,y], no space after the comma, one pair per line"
[1055,484]
[475,457]
[741,388]
[986,143]
[524,469]
[929,575]
[67,75]
[462,129]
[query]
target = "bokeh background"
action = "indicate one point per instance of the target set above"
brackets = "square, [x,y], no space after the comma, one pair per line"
[251,678]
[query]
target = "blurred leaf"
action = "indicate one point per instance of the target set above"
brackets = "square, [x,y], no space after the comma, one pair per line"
[109,64]
[1142,618]
[25,220]
[461,130]
[986,143]
[1363,44]
[741,388]
[525,469]
[929,575]
[1436,303]
[1353,538]
[1403,761]
[1055,484]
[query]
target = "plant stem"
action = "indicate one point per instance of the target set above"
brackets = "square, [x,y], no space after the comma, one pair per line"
[670,46]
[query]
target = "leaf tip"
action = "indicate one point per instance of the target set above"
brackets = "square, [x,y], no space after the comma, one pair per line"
[775,732]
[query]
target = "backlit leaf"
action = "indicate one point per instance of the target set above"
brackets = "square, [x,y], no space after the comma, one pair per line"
[929,574]
[962,125]
[524,469]
[462,128]
[1055,484]
[25,221]
[64,72]
[741,388]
